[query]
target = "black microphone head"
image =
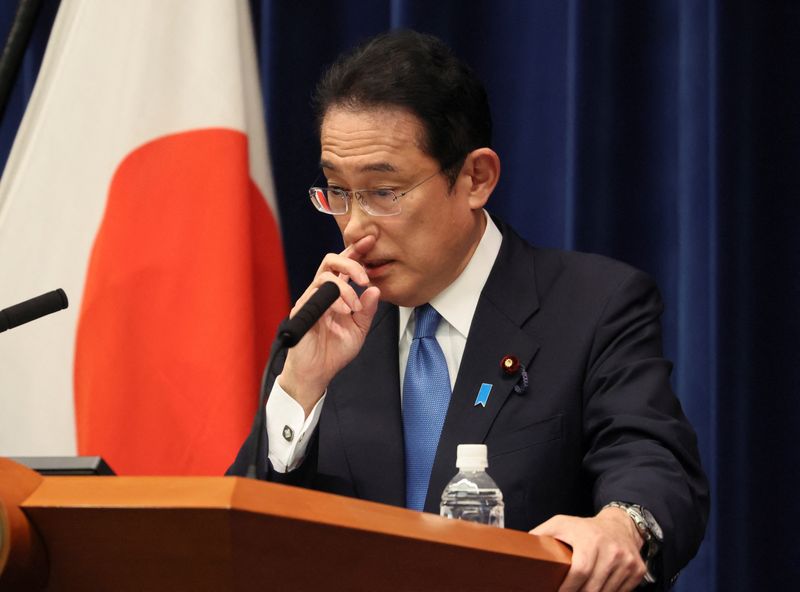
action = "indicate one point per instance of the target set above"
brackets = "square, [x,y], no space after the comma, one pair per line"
[326,295]
[292,330]
[62,297]
[32,309]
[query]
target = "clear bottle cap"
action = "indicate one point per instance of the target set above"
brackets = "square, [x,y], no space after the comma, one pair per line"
[471,457]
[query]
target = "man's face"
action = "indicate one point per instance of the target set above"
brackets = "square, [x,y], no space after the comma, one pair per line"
[420,251]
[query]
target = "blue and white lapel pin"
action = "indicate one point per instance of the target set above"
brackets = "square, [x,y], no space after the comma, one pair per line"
[511,367]
[483,394]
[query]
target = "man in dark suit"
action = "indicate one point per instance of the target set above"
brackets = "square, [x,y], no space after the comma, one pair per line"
[585,438]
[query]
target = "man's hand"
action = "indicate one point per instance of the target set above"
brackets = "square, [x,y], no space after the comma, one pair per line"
[338,336]
[605,551]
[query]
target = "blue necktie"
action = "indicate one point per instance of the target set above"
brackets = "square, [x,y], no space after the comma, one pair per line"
[426,395]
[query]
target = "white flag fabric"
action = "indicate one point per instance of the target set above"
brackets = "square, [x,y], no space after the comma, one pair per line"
[139,183]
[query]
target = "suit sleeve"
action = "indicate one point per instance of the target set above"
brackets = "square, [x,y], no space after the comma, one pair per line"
[640,447]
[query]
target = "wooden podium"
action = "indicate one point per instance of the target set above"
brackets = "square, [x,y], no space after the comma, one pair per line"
[227,533]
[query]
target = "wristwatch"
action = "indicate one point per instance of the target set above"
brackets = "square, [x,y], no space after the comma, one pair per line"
[648,529]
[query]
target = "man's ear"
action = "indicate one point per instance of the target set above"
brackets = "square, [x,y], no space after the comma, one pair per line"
[480,174]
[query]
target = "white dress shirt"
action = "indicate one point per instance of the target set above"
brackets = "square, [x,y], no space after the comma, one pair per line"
[456,304]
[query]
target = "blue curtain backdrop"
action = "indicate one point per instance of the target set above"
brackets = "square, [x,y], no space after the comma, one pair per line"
[665,133]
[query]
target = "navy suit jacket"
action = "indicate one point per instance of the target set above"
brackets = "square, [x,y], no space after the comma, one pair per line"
[598,421]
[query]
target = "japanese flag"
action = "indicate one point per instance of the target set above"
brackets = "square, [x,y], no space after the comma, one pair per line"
[139,182]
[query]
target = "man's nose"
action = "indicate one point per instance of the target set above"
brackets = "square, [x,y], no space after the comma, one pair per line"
[356,224]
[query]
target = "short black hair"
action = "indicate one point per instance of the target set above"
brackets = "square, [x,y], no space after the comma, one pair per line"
[417,72]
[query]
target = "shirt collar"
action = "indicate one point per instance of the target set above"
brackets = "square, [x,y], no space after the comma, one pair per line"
[458,301]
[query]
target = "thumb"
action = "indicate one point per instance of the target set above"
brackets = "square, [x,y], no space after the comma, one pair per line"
[549,527]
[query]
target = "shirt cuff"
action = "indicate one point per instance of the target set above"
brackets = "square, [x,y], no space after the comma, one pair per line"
[288,429]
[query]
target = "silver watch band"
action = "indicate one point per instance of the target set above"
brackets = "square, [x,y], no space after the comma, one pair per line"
[649,530]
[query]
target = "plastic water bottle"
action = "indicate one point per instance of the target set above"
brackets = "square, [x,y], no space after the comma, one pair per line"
[472,494]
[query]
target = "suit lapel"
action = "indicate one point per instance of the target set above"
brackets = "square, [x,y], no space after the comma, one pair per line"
[507,301]
[367,404]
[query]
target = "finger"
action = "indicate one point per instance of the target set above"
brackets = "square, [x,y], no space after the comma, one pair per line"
[551,527]
[369,303]
[356,251]
[340,308]
[347,295]
[361,247]
[340,264]
[344,277]
[619,566]
[583,563]
[626,573]
[603,575]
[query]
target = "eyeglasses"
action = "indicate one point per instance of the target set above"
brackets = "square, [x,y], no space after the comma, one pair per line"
[375,202]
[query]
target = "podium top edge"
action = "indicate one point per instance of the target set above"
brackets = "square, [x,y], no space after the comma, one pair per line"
[282,502]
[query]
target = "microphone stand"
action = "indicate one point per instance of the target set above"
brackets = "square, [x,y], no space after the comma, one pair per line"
[290,332]
[278,346]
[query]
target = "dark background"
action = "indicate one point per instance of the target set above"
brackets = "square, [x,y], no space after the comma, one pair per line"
[665,133]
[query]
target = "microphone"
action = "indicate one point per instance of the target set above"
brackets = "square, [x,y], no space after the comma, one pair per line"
[32,309]
[290,332]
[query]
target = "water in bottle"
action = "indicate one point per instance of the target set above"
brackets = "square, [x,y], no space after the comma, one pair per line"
[472,494]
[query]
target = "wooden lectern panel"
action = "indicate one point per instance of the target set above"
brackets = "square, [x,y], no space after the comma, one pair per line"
[23,563]
[227,533]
